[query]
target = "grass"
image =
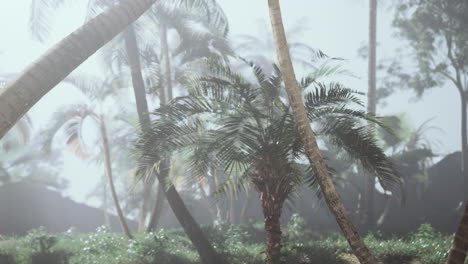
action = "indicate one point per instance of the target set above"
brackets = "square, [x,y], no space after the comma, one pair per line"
[240,244]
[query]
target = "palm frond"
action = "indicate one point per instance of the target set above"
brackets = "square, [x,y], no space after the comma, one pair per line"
[360,144]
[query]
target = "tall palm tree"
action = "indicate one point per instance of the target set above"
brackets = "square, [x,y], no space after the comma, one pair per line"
[308,139]
[179,15]
[369,180]
[248,129]
[72,119]
[46,72]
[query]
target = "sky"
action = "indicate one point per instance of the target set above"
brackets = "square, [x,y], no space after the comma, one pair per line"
[338,27]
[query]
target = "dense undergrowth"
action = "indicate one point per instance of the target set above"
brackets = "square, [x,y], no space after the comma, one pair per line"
[239,244]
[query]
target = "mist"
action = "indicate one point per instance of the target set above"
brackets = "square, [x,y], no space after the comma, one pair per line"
[173,134]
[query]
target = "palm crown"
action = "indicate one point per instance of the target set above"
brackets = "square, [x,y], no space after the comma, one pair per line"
[248,129]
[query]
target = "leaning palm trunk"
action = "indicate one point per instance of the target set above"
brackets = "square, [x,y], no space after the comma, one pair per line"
[46,72]
[166,164]
[107,163]
[158,205]
[308,138]
[459,248]
[190,226]
[368,208]
[142,110]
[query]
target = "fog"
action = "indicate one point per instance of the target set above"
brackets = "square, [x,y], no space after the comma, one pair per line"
[75,170]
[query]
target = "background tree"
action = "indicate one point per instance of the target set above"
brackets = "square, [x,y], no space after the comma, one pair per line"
[72,119]
[436,32]
[368,212]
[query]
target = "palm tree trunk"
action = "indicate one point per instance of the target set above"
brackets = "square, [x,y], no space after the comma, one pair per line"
[142,110]
[459,248]
[245,207]
[232,209]
[105,205]
[206,200]
[59,61]
[190,226]
[167,61]
[368,208]
[272,213]
[308,138]
[464,135]
[157,210]
[108,167]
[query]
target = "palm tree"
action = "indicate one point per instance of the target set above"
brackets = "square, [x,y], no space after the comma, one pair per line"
[369,182]
[72,119]
[308,139]
[208,10]
[46,72]
[247,129]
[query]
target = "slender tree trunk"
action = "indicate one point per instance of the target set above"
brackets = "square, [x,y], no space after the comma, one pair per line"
[310,143]
[232,209]
[157,210]
[108,167]
[245,207]
[459,248]
[167,61]
[165,164]
[464,136]
[105,204]
[190,226]
[46,72]
[142,110]
[206,200]
[368,221]
[219,213]
[272,213]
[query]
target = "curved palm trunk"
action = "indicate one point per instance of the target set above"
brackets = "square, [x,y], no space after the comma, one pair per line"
[368,208]
[459,248]
[308,138]
[59,61]
[190,226]
[107,163]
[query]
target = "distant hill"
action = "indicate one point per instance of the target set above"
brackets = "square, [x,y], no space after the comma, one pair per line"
[24,206]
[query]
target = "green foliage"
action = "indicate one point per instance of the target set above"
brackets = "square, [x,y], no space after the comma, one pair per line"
[240,244]
[435,31]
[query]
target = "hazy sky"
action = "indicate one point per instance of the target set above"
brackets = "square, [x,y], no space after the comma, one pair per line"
[338,27]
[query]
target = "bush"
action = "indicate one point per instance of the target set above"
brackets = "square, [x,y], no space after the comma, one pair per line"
[239,244]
